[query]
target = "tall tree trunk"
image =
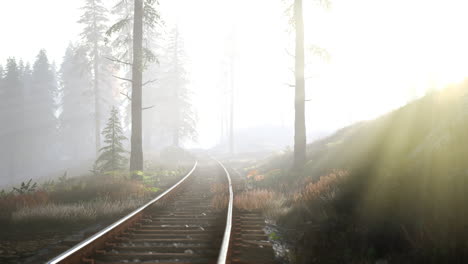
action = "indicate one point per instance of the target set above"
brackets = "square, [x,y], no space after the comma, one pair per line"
[97,107]
[136,153]
[176,134]
[231,117]
[299,100]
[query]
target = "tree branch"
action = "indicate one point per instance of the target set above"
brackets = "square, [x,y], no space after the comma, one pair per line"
[119,61]
[126,95]
[148,82]
[146,108]
[123,79]
[289,53]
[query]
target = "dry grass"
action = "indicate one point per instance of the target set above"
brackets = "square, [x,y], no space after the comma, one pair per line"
[269,202]
[90,188]
[324,189]
[218,188]
[220,201]
[77,212]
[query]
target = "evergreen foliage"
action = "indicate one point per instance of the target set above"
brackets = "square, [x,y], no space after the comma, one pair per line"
[44,88]
[120,36]
[76,119]
[122,30]
[28,110]
[112,156]
[11,109]
[11,81]
[178,111]
[94,19]
[1,72]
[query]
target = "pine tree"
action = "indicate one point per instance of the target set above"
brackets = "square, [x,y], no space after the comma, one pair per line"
[27,80]
[41,123]
[122,31]
[182,118]
[11,109]
[122,43]
[1,73]
[112,155]
[12,106]
[95,18]
[76,119]
[43,90]
[12,81]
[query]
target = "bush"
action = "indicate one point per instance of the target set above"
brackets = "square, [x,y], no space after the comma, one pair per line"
[325,189]
[22,197]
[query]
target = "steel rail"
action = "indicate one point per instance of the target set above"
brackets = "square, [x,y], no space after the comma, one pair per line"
[223,254]
[106,230]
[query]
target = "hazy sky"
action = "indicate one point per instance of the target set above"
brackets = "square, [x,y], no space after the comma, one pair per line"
[382,53]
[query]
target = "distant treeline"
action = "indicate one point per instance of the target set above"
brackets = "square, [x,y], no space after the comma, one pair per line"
[52,116]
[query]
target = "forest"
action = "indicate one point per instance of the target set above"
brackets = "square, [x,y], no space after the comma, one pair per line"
[219,131]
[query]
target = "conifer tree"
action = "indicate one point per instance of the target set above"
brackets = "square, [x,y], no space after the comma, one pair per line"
[11,108]
[27,80]
[122,31]
[112,156]
[76,119]
[41,123]
[12,81]
[95,18]
[121,34]
[44,88]
[1,72]
[179,110]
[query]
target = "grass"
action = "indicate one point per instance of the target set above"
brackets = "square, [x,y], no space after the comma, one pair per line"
[82,199]
[76,212]
[400,195]
[270,203]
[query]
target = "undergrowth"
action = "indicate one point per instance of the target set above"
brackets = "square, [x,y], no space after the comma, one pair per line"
[400,197]
[82,199]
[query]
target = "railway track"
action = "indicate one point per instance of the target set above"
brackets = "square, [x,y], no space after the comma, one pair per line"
[180,226]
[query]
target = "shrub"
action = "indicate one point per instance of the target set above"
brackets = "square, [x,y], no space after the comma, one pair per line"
[270,203]
[324,189]
[27,187]
[11,202]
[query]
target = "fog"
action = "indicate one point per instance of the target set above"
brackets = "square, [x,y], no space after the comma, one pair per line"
[215,51]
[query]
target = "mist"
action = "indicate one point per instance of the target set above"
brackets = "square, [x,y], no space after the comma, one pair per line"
[298,112]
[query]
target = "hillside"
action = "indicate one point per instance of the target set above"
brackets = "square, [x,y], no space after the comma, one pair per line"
[391,189]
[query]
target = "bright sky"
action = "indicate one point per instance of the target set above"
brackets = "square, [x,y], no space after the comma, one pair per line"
[382,54]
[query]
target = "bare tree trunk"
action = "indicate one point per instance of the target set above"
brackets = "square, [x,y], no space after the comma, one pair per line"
[97,107]
[176,134]
[231,118]
[299,100]
[136,153]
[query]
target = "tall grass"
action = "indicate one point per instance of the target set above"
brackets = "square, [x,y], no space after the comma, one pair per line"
[76,212]
[268,202]
[406,192]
